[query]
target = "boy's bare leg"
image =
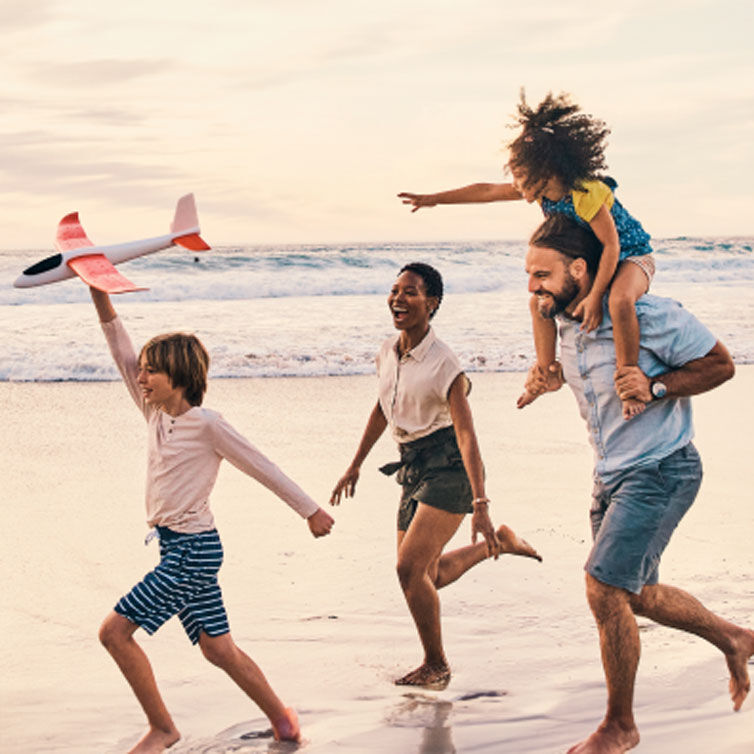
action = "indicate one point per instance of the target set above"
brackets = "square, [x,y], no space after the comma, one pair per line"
[675,608]
[116,635]
[223,652]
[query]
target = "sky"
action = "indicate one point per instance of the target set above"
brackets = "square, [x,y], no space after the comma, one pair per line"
[298,121]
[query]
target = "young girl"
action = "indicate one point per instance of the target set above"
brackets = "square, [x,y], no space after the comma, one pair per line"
[422,397]
[167,381]
[556,161]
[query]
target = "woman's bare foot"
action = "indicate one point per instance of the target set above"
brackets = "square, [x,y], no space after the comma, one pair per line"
[632,407]
[156,740]
[609,738]
[739,683]
[514,545]
[429,676]
[287,728]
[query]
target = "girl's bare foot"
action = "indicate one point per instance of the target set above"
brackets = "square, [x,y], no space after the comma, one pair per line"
[514,545]
[156,740]
[632,407]
[428,676]
[526,398]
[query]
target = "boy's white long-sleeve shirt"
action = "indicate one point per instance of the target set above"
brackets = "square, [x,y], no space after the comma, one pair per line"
[185,451]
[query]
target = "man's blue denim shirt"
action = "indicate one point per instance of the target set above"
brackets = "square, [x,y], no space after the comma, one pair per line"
[670,337]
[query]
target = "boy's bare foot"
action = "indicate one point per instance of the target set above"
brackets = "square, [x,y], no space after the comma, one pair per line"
[514,545]
[287,728]
[156,740]
[429,676]
[739,683]
[609,738]
[632,407]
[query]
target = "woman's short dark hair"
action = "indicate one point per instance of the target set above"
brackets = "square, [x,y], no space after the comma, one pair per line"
[570,238]
[184,359]
[432,280]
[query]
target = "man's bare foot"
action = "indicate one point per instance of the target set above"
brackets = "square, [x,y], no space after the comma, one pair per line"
[514,545]
[632,407]
[287,728]
[156,740]
[609,738]
[435,677]
[739,683]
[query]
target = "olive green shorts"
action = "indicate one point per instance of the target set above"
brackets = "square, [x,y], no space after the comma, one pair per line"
[431,471]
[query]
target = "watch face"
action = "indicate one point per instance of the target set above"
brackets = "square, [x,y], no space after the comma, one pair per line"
[659,390]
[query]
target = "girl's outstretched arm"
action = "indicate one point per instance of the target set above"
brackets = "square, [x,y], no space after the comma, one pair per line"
[590,309]
[472,194]
[103,305]
[347,483]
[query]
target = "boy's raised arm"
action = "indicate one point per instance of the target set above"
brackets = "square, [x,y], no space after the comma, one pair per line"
[103,305]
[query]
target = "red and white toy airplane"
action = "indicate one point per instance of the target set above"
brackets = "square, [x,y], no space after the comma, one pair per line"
[95,265]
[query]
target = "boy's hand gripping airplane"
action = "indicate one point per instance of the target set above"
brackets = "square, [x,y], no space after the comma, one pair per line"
[95,265]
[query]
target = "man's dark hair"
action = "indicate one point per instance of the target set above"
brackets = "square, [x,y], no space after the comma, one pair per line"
[430,276]
[565,235]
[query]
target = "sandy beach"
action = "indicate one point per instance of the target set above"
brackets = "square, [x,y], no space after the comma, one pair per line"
[325,619]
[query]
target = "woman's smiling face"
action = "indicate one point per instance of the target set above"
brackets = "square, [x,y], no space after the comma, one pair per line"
[408,302]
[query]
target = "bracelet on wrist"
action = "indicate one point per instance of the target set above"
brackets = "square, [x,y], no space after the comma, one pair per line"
[480,501]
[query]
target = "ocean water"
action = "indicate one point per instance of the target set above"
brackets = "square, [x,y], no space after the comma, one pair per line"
[314,310]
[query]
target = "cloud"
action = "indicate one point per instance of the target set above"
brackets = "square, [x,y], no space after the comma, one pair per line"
[97,72]
[22,15]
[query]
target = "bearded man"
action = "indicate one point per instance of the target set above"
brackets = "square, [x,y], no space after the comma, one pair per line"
[647,471]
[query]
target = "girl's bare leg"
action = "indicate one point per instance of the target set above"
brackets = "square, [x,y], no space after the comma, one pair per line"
[545,340]
[630,283]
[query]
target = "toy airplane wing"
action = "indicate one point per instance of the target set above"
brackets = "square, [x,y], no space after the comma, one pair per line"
[70,234]
[94,269]
[98,271]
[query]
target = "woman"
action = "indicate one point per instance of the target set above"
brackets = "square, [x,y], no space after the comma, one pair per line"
[422,397]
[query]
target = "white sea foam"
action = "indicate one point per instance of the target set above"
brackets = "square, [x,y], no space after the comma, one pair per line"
[320,310]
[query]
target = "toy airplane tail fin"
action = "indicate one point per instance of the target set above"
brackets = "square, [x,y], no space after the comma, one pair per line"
[186,225]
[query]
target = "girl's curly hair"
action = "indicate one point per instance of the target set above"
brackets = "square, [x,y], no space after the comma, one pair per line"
[558,140]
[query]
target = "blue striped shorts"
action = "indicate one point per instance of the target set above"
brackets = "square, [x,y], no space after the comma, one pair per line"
[184,584]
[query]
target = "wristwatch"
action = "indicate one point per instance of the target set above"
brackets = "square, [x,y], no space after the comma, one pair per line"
[658,389]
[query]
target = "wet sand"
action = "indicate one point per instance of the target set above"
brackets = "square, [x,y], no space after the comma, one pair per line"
[325,619]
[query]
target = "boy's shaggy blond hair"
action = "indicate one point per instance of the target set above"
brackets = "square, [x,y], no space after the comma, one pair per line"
[183,358]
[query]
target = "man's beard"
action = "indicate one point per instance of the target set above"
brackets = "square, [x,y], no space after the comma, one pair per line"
[560,300]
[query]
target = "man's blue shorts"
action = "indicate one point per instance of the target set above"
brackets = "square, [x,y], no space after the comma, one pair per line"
[633,519]
[184,584]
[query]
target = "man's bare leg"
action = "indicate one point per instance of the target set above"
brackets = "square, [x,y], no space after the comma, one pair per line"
[620,648]
[675,608]
[223,652]
[452,565]
[419,548]
[116,635]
